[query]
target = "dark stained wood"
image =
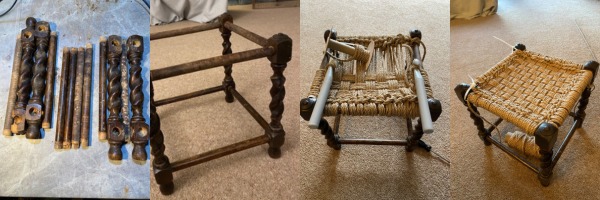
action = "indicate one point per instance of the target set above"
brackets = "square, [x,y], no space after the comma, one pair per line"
[139,128]
[209,63]
[188,96]
[70,99]
[86,97]
[62,99]
[220,152]
[246,34]
[35,107]
[184,31]
[12,94]
[102,90]
[228,80]
[25,73]
[278,51]
[78,100]
[116,132]
[163,172]
[50,75]
[262,122]
[283,54]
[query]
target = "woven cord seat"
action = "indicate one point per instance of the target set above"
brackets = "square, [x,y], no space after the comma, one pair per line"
[536,93]
[385,89]
[528,89]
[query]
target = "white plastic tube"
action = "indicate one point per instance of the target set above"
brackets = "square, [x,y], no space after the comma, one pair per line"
[317,113]
[422,99]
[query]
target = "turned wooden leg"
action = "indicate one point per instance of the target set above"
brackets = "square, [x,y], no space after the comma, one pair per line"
[163,173]
[24,88]
[34,110]
[414,137]
[283,54]
[228,80]
[585,96]
[331,136]
[139,128]
[461,90]
[306,107]
[545,137]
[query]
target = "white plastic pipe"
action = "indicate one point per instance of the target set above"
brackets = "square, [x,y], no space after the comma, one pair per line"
[317,113]
[422,99]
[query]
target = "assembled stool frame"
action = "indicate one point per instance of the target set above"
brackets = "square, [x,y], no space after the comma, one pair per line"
[278,49]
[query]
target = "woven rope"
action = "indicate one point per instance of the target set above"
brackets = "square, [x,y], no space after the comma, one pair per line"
[522,142]
[527,89]
[385,88]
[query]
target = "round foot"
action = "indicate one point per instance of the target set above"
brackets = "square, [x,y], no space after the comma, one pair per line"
[545,181]
[229,99]
[139,153]
[46,125]
[114,152]
[167,188]
[7,132]
[274,152]
[33,132]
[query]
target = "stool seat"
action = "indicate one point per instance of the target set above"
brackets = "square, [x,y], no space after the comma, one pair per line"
[528,89]
[388,88]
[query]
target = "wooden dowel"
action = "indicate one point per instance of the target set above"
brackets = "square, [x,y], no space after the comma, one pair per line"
[261,121]
[204,64]
[77,101]
[62,99]
[565,142]
[70,99]
[247,34]
[512,154]
[372,142]
[87,92]
[220,152]
[184,31]
[102,90]
[188,96]
[315,117]
[12,93]
[50,74]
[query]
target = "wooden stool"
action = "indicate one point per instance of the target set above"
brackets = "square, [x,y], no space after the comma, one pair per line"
[278,49]
[386,87]
[537,94]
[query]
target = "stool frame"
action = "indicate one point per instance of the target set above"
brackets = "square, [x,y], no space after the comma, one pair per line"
[278,49]
[545,135]
[334,141]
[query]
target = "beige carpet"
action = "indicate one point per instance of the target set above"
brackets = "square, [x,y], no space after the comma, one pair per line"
[208,122]
[550,28]
[375,172]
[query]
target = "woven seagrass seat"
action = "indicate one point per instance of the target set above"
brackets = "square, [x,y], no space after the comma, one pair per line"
[384,89]
[536,93]
[528,89]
